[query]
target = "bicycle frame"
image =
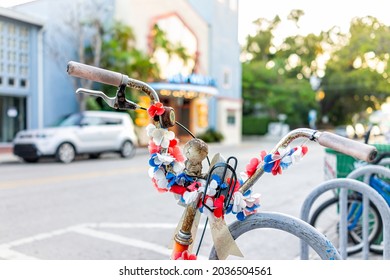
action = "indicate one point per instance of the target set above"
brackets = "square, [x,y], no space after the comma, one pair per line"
[196,151]
[381,186]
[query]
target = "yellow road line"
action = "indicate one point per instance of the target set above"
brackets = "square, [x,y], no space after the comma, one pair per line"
[71,177]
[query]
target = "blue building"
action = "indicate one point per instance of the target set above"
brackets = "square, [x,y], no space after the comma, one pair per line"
[209,28]
[20,73]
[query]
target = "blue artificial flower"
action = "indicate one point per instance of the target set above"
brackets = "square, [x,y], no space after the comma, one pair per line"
[216,178]
[240,216]
[152,162]
[253,208]
[247,193]
[229,209]
[184,177]
[268,163]
[171,178]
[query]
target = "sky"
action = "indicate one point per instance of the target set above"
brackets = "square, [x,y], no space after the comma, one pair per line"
[319,15]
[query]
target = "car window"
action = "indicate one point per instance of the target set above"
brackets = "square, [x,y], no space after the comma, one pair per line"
[90,120]
[72,120]
[112,121]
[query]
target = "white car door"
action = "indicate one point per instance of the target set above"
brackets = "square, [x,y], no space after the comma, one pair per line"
[90,134]
[113,128]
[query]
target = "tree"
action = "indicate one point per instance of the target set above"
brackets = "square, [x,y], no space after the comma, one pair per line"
[276,79]
[357,75]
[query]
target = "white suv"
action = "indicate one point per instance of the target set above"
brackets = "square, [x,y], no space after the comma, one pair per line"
[89,132]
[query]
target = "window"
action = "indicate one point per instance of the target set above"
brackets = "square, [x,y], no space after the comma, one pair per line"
[112,121]
[23,83]
[11,81]
[88,120]
[231,117]
[14,55]
[226,78]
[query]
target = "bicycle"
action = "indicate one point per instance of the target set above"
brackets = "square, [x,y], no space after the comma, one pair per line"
[220,190]
[326,221]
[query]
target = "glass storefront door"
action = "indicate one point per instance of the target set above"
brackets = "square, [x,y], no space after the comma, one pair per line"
[12,117]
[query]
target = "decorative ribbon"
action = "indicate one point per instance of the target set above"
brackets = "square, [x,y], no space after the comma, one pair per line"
[168,175]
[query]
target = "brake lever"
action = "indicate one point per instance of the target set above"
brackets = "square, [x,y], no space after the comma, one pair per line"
[117,102]
[167,119]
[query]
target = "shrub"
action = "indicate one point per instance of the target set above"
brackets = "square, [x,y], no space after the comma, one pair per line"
[211,135]
[255,125]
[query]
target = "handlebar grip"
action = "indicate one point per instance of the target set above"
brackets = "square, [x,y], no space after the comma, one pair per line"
[347,146]
[96,74]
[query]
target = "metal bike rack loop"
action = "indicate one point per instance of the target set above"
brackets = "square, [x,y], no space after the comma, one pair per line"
[304,231]
[346,184]
[366,171]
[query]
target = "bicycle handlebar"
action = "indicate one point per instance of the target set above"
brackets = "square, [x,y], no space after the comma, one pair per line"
[108,77]
[341,144]
[347,146]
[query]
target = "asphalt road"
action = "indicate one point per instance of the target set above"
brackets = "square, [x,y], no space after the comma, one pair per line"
[108,209]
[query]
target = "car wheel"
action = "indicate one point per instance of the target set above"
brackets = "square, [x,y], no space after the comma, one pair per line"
[31,160]
[127,149]
[66,153]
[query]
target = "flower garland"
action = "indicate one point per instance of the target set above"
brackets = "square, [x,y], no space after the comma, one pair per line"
[167,171]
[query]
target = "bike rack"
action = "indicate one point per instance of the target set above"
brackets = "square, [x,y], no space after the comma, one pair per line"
[366,171]
[346,184]
[304,231]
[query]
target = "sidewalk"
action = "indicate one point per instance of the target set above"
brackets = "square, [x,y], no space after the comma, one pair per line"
[6,154]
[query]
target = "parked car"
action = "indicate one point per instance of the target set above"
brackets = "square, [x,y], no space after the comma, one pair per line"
[89,132]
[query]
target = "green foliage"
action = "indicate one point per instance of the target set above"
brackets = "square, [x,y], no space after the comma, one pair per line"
[120,54]
[277,94]
[255,125]
[211,135]
[276,78]
[357,74]
[92,104]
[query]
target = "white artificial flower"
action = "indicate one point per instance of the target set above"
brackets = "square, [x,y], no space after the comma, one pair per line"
[297,155]
[178,167]
[160,178]
[283,152]
[239,203]
[210,203]
[162,137]
[190,197]
[149,129]
[163,159]
[212,189]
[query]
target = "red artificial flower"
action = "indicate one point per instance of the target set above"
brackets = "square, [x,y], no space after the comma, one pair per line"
[173,143]
[161,190]
[184,256]
[178,189]
[218,206]
[252,166]
[236,186]
[304,150]
[156,109]
[153,148]
[175,151]
[276,169]
[262,155]
[193,186]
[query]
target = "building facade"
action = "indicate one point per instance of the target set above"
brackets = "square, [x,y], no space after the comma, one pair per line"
[205,91]
[20,72]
